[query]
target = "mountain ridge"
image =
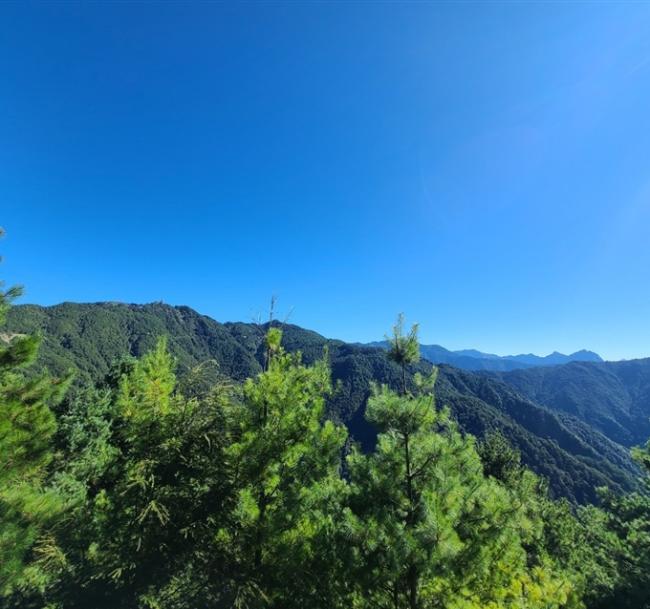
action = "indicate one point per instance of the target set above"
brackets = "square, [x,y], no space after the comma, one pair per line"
[472,359]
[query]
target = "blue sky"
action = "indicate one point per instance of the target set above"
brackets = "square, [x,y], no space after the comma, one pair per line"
[484,168]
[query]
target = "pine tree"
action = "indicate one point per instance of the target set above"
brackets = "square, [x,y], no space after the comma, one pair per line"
[26,428]
[628,520]
[573,545]
[403,349]
[285,461]
[500,460]
[232,498]
[430,528]
[146,476]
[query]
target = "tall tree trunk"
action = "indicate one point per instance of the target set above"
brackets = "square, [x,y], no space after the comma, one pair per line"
[259,533]
[412,579]
[411,574]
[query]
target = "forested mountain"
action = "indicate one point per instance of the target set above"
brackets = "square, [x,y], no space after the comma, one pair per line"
[612,397]
[159,480]
[91,338]
[471,359]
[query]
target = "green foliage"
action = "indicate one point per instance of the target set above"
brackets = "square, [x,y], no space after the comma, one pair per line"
[572,543]
[92,338]
[627,521]
[145,472]
[285,460]
[431,529]
[611,397]
[574,458]
[403,349]
[272,341]
[197,492]
[642,456]
[500,460]
[215,500]
[27,425]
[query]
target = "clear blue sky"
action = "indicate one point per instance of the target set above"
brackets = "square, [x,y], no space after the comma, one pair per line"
[484,168]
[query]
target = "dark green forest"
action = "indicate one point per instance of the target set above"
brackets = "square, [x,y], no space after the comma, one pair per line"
[154,458]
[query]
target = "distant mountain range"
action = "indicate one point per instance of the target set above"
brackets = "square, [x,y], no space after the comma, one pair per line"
[572,423]
[471,359]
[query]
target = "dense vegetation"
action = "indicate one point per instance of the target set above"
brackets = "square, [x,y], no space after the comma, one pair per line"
[612,397]
[90,338]
[142,488]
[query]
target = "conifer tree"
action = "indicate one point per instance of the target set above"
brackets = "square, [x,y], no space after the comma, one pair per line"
[26,428]
[573,544]
[285,461]
[430,529]
[403,349]
[628,519]
[500,460]
[145,466]
[229,499]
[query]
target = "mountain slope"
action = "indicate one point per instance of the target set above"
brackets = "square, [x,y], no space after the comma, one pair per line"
[574,457]
[92,337]
[612,397]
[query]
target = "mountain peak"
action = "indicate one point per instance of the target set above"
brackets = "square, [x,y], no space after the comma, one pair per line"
[584,355]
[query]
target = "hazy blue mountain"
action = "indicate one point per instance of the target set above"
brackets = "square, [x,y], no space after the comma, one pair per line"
[555,358]
[471,359]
